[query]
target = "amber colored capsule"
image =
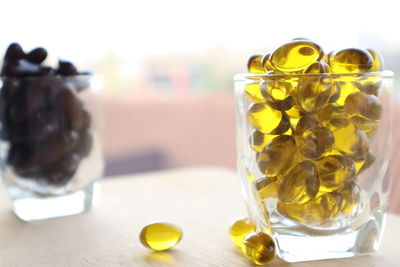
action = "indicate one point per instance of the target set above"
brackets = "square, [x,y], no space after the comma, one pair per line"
[369,85]
[363,105]
[367,126]
[364,163]
[277,94]
[296,212]
[259,140]
[346,89]
[350,194]
[296,56]
[259,248]
[160,236]
[324,209]
[266,62]
[299,184]
[277,155]
[304,124]
[254,64]
[351,60]
[267,187]
[239,229]
[267,119]
[313,93]
[348,139]
[334,171]
[315,142]
[253,92]
[330,111]
[377,64]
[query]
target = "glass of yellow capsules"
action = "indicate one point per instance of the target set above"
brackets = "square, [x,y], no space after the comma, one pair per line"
[314,142]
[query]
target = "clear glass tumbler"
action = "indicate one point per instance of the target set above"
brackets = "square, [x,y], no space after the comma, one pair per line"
[50,151]
[313,152]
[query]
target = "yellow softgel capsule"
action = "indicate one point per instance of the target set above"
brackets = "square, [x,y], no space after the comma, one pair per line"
[300,184]
[304,124]
[350,60]
[160,236]
[296,56]
[259,248]
[377,64]
[259,140]
[335,171]
[330,111]
[364,163]
[266,62]
[267,187]
[267,119]
[277,94]
[363,105]
[345,88]
[348,139]
[254,64]
[239,229]
[277,156]
[253,92]
[315,142]
[350,194]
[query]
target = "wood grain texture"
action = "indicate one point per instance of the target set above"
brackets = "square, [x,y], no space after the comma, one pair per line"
[203,201]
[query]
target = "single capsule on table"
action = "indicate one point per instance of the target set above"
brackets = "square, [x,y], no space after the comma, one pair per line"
[239,229]
[296,56]
[334,171]
[267,187]
[267,119]
[348,139]
[277,155]
[299,184]
[254,64]
[160,236]
[315,142]
[259,248]
[350,60]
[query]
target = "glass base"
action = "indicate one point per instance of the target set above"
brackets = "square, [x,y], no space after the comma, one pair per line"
[28,206]
[300,246]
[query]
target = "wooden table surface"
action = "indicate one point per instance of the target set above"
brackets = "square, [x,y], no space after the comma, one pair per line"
[203,201]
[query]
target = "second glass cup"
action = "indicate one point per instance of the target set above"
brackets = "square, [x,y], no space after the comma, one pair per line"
[51,153]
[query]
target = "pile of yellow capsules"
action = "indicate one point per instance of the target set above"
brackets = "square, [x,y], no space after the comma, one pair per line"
[313,117]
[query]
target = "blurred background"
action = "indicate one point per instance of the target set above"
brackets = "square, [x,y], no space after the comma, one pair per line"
[167,66]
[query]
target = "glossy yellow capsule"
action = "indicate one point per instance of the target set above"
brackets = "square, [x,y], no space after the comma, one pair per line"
[267,119]
[277,156]
[348,139]
[296,56]
[304,124]
[335,171]
[254,64]
[330,111]
[277,94]
[364,163]
[266,62]
[346,89]
[259,140]
[300,184]
[351,60]
[370,85]
[363,105]
[377,64]
[315,142]
[350,194]
[253,92]
[239,229]
[160,236]
[267,187]
[259,248]
[313,93]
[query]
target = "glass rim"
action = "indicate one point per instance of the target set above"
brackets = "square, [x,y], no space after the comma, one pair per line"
[254,76]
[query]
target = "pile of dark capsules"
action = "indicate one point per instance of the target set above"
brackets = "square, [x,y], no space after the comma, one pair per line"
[43,121]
